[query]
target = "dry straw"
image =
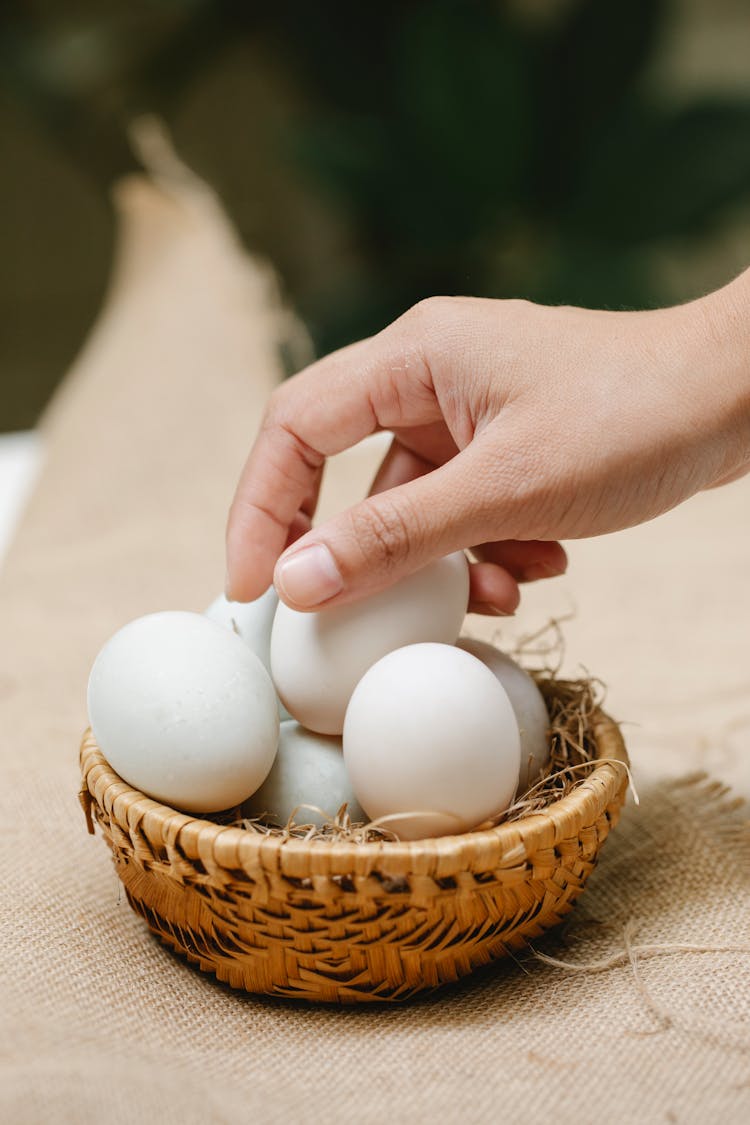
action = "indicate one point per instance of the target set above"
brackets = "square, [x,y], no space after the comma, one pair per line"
[347,914]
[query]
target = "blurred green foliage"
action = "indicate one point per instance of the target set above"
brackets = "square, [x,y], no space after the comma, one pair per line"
[479,154]
[453,146]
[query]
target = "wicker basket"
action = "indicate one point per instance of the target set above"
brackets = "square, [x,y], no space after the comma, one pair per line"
[350,922]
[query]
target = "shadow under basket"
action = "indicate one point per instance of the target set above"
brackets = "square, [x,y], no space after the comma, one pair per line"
[344,921]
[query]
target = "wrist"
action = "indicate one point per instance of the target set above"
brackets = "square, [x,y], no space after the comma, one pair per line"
[719,325]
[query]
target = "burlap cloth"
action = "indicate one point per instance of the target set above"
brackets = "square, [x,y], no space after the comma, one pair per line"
[99,1023]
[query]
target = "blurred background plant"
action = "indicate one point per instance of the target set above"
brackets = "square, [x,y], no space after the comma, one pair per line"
[580,151]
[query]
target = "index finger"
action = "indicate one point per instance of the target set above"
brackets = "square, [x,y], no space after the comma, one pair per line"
[332,405]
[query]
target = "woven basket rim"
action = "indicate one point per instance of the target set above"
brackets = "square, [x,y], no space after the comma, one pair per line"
[188,837]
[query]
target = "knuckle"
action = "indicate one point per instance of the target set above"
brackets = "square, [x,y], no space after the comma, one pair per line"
[430,312]
[425,330]
[279,424]
[519,317]
[387,533]
[518,306]
[275,409]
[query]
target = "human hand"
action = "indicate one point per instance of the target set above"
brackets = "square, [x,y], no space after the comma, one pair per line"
[515,425]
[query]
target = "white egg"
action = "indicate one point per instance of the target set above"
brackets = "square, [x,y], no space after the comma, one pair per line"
[430,730]
[184,711]
[309,770]
[317,659]
[252,621]
[529,706]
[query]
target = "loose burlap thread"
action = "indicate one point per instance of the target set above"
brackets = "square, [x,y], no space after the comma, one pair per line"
[100,1022]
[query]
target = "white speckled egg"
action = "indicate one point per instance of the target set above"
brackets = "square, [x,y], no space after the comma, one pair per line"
[430,730]
[529,706]
[184,711]
[252,621]
[309,770]
[317,659]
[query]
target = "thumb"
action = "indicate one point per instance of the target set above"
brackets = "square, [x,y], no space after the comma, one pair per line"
[392,534]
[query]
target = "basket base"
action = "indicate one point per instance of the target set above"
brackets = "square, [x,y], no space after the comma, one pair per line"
[436,953]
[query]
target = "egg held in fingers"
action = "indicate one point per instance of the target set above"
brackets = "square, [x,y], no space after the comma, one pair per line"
[317,659]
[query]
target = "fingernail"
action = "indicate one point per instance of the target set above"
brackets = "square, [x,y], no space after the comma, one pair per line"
[488,610]
[536,571]
[227,587]
[309,576]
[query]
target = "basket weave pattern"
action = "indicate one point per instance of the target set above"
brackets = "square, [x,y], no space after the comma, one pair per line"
[344,921]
